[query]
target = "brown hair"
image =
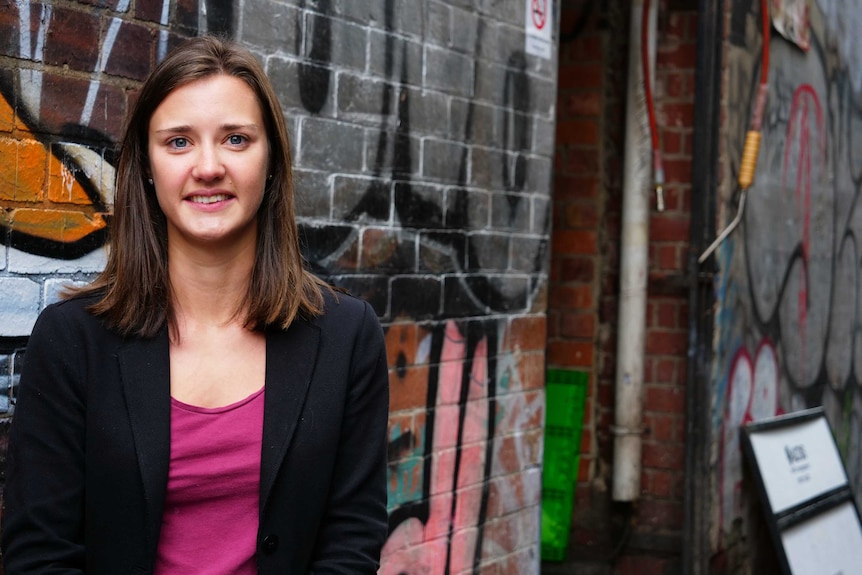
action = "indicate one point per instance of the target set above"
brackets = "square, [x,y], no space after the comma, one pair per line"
[135,287]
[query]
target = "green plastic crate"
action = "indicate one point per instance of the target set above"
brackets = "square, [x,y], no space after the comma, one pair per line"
[565,396]
[556,522]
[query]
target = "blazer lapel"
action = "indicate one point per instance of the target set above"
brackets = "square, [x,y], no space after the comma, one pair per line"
[145,372]
[290,358]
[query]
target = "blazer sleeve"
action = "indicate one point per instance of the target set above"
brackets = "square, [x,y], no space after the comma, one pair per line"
[42,520]
[354,528]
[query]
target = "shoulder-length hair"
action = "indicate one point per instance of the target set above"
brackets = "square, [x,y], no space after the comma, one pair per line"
[134,287]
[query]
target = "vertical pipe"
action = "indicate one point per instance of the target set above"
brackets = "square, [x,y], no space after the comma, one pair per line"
[705,175]
[634,251]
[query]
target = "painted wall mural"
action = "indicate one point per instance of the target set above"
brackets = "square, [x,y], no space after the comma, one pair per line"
[423,141]
[789,287]
[58,171]
[455,463]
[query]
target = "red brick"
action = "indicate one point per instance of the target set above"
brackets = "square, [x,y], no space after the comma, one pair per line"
[665,314]
[577,269]
[667,343]
[567,188]
[187,13]
[586,440]
[578,161]
[658,483]
[664,399]
[673,84]
[9,23]
[588,407]
[679,56]
[568,297]
[675,116]
[63,97]
[148,10]
[578,325]
[570,353]
[667,257]
[663,455]
[674,198]
[660,513]
[574,242]
[554,323]
[581,215]
[672,142]
[669,228]
[665,370]
[581,103]
[641,565]
[111,4]
[661,427]
[132,55]
[73,39]
[528,333]
[675,28]
[580,75]
[578,132]
[532,370]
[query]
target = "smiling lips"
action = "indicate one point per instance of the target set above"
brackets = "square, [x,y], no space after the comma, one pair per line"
[215,198]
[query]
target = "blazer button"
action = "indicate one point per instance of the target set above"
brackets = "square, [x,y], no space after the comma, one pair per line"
[269,544]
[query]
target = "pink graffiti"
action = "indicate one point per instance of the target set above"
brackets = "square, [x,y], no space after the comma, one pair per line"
[752,394]
[805,102]
[446,542]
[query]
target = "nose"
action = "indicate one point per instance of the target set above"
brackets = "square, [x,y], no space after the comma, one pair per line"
[208,165]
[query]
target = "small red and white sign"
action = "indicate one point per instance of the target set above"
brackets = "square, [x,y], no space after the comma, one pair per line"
[539,16]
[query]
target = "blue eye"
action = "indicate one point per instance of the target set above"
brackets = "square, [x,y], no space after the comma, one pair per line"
[178,143]
[236,140]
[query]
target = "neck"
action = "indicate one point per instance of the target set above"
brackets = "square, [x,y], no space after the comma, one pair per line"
[208,287]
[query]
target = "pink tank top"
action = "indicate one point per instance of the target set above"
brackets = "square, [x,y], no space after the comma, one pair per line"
[210,520]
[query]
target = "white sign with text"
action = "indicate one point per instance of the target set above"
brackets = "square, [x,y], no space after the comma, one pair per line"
[539,41]
[827,544]
[798,462]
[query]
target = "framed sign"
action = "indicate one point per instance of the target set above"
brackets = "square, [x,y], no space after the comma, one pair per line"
[806,494]
[539,24]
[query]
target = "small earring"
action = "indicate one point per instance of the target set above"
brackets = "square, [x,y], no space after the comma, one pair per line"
[150,180]
[269,177]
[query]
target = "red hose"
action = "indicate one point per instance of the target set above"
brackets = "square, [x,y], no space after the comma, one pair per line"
[658,165]
[760,98]
[753,136]
[767,29]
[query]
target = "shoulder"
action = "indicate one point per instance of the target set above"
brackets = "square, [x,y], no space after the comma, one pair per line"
[75,307]
[69,318]
[346,316]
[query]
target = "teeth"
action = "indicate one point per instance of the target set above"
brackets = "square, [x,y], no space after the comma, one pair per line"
[209,199]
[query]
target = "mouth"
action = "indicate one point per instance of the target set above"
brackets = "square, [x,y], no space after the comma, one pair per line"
[213,199]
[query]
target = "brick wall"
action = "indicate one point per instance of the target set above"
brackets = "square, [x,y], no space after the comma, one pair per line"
[582,315]
[423,140]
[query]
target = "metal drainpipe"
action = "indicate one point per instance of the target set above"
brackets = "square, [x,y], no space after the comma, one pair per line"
[705,175]
[634,252]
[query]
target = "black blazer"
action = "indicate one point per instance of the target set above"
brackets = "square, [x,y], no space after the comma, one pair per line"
[89,447]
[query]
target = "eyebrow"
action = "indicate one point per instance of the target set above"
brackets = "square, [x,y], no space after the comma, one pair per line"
[223,128]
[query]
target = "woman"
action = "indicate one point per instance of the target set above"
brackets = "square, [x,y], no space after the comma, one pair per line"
[206,405]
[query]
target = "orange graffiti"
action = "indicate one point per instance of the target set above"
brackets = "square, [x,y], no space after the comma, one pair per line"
[40,196]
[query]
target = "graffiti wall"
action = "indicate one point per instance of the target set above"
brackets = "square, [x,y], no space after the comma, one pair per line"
[789,289]
[423,136]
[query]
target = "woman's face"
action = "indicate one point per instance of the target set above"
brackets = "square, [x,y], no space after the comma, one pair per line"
[209,157]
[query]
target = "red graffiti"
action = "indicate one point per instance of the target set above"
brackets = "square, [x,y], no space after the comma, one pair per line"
[805,109]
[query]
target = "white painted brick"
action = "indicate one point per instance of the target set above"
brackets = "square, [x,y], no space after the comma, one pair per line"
[54,287]
[24,263]
[20,302]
